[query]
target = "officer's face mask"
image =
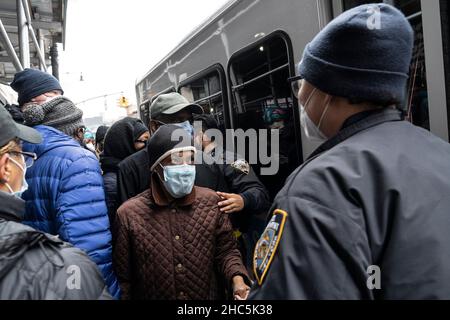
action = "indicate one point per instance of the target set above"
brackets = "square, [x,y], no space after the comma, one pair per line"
[312,131]
[24,187]
[179,180]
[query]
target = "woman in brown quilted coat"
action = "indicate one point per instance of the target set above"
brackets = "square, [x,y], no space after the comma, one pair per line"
[172,241]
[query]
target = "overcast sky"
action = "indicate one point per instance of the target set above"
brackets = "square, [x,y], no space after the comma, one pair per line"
[114,42]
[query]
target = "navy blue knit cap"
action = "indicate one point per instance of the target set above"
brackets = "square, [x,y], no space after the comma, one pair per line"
[31,83]
[363,55]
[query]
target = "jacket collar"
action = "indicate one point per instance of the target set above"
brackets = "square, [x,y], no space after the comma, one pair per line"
[51,139]
[352,128]
[160,198]
[12,208]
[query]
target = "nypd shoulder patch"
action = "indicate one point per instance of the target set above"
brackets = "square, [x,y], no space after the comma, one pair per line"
[267,245]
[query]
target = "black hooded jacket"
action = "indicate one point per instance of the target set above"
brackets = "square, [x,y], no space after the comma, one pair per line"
[38,266]
[118,145]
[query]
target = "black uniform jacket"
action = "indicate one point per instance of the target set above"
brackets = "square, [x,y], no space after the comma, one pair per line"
[366,217]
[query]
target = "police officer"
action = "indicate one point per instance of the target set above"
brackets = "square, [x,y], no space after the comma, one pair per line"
[243,195]
[171,108]
[368,215]
[246,190]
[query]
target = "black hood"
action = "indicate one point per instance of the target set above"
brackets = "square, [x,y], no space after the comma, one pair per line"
[119,143]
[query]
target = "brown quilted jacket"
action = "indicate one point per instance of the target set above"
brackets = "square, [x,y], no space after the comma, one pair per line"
[171,251]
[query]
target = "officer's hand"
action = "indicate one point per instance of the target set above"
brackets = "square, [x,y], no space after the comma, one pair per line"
[231,202]
[240,289]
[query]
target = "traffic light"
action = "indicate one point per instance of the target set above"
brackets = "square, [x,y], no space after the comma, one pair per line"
[123,102]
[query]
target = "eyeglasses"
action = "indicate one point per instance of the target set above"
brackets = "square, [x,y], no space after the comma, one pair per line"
[295,83]
[29,157]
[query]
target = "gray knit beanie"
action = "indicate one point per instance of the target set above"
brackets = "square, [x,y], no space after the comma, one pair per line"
[354,59]
[59,113]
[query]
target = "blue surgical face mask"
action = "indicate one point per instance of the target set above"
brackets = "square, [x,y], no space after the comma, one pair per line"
[187,126]
[179,180]
[24,187]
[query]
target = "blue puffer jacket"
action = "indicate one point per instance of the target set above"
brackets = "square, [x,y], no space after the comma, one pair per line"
[66,198]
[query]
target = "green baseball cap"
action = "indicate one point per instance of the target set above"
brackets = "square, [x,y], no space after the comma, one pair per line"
[172,103]
[11,130]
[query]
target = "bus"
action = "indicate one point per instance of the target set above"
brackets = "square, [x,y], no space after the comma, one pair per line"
[236,65]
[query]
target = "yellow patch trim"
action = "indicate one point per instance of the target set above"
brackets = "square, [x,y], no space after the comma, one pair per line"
[283,221]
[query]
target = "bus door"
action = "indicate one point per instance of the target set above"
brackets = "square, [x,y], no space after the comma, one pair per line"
[262,99]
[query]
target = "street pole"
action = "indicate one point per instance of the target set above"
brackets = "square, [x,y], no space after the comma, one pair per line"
[24,46]
[55,63]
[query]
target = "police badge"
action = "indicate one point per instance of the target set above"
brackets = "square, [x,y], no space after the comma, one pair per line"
[267,245]
[242,166]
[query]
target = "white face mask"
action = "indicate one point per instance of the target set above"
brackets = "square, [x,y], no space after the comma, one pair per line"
[24,187]
[312,131]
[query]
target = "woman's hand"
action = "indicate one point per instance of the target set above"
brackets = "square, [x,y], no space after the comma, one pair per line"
[240,289]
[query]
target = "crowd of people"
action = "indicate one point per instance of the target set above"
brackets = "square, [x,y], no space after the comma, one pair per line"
[128,213]
[97,197]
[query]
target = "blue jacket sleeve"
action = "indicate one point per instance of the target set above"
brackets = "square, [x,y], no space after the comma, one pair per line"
[82,216]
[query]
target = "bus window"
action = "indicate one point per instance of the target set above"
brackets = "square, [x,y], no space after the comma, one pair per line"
[168,90]
[416,105]
[207,92]
[262,99]
[145,107]
[144,112]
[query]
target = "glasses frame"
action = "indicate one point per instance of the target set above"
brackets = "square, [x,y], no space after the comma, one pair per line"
[26,155]
[294,84]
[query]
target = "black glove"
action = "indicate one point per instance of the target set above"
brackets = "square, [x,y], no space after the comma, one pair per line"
[15,112]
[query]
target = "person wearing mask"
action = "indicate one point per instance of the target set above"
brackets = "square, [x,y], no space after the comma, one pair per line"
[140,135]
[32,86]
[66,195]
[35,265]
[35,86]
[171,108]
[124,138]
[99,139]
[171,238]
[89,141]
[349,224]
